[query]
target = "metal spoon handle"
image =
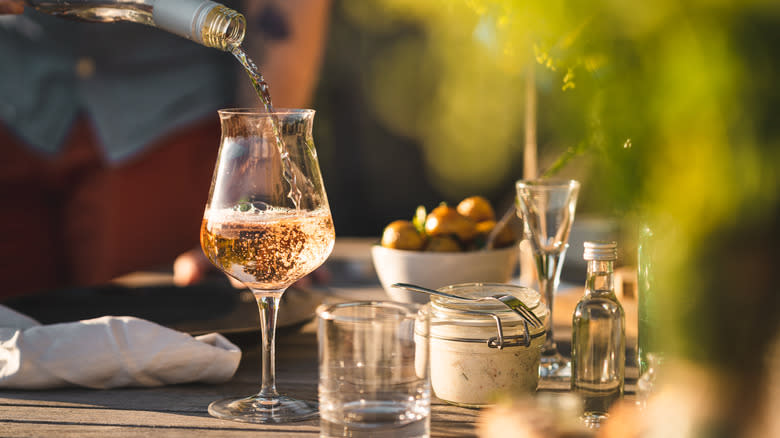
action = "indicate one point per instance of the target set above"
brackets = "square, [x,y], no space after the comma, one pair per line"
[510,301]
[426,290]
[491,237]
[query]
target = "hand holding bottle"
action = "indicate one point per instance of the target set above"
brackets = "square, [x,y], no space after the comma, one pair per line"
[11,6]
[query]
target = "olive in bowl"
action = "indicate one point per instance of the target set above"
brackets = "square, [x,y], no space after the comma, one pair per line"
[445,246]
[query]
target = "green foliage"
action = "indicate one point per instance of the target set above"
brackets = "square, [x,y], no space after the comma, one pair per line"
[419,219]
[664,107]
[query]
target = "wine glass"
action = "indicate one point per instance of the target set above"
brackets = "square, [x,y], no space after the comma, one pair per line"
[547,209]
[267,224]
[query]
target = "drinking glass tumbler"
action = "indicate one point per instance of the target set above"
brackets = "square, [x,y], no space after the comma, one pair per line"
[374,370]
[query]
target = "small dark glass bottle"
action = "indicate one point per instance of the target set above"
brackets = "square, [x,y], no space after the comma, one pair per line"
[598,337]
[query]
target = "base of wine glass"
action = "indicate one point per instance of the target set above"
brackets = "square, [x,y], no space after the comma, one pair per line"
[554,366]
[256,409]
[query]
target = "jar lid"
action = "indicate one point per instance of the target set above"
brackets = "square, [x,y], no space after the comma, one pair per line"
[485,320]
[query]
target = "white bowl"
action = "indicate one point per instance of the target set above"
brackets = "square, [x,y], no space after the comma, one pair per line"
[439,269]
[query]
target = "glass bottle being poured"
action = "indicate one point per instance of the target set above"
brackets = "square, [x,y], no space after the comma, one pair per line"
[203,21]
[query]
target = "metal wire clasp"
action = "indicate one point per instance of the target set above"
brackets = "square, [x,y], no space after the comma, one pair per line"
[502,341]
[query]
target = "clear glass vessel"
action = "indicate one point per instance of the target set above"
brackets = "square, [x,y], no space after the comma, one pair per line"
[267,223]
[482,350]
[374,371]
[647,306]
[547,209]
[203,21]
[648,381]
[598,342]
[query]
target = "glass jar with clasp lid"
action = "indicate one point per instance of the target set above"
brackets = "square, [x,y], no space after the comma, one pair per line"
[482,349]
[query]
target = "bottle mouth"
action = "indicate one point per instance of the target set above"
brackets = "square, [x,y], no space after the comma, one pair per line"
[223,28]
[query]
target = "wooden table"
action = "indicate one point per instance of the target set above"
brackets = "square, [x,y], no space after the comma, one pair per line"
[181,410]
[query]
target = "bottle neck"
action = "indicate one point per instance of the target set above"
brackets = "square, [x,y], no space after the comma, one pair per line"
[600,279]
[203,21]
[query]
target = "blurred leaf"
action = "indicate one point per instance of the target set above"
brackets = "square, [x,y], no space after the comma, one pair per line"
[419,219]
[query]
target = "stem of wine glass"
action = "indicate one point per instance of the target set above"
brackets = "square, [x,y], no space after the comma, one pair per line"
[268,302]
[548,267]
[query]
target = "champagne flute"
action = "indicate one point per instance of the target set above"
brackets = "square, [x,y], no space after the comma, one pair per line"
[267,224]
[547,209]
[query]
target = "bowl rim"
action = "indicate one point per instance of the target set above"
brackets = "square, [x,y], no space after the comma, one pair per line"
[415,253]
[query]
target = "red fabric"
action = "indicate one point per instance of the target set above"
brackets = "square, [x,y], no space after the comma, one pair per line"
[73,220]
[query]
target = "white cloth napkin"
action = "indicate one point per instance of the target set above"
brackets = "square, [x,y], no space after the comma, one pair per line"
[108,352]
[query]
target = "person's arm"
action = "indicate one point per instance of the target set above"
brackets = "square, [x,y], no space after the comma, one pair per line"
[286,38]
[11,7]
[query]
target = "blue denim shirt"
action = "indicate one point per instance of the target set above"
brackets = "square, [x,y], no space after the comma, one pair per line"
[136,83]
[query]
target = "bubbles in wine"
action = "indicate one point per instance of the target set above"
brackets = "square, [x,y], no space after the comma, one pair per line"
[267,249]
